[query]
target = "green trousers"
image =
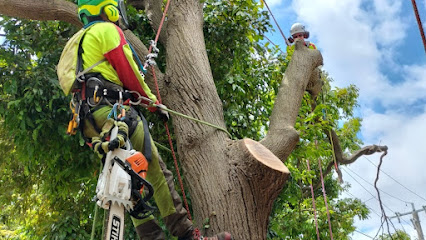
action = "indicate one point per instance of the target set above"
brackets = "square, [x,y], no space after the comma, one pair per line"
[166,198]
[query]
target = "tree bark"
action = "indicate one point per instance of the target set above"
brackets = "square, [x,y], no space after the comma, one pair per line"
[232,182]
[282,137]
[41,10]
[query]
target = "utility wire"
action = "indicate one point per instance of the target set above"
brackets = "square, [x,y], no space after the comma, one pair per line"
[373,186]
[366,189]
[424,199]
[372,210]
[372,196]
[364,234]
[269,40]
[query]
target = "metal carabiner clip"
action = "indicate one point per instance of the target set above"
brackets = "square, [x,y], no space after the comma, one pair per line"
[139,99]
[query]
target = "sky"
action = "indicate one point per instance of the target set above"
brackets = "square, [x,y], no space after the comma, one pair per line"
[376,45]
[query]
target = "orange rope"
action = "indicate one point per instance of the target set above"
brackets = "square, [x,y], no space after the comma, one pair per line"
[419,22]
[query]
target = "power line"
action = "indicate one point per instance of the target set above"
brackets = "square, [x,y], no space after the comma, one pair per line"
[373,186]
[372,210]
[366,189]
[269,40]
[371,195]
[396,180]
[363,234]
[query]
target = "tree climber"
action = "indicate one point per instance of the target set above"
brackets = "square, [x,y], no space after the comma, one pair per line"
[298,31]
[97,66]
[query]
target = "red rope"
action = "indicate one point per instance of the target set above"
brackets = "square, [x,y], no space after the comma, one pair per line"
[325,199]
[178,172]
[160,26]
[313,204]
[285,39]
[165,123]
[419,22]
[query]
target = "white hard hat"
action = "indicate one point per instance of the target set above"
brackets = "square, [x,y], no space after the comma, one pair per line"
[297,28]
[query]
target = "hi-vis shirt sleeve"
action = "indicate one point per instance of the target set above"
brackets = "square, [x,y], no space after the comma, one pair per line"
[290,50]
[116,50]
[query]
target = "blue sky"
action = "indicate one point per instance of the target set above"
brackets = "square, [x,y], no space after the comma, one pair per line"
[376,45]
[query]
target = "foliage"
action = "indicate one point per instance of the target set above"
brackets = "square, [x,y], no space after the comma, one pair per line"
[246,71]
[48,178]
[398,235]
[294,213]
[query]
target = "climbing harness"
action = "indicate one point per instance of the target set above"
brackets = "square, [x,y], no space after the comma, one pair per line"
[100,94]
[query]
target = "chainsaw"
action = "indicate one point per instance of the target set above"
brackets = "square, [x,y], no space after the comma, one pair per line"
[122,186]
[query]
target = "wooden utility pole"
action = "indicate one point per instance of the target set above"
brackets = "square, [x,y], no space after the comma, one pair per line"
[415,220]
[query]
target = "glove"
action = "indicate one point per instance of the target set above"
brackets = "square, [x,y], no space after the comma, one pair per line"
[114,144]
[163,114]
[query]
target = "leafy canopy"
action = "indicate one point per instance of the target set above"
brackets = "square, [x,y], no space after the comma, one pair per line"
[48,178]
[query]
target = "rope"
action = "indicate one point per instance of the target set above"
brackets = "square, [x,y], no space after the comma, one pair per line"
[325,199]
[419,22]
[285,39]
[313,204]
[178,172]
[165,123]
[332,151]
[329,132]
[95,218]
[196,120]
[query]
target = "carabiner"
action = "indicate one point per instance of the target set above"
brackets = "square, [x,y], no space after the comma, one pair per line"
[139,99]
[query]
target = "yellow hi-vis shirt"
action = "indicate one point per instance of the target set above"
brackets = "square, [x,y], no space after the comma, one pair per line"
[105,40]
[290,50]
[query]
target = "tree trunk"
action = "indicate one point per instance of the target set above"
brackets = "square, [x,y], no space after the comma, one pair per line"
[232,182]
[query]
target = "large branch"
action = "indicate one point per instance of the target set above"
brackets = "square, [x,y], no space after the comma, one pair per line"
[62,10]
[282,137]
[41,10]
[340,157]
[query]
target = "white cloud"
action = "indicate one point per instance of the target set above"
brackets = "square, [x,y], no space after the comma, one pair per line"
[359,40]
[412,89]
[404,135]
[346,40]
[355,39]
